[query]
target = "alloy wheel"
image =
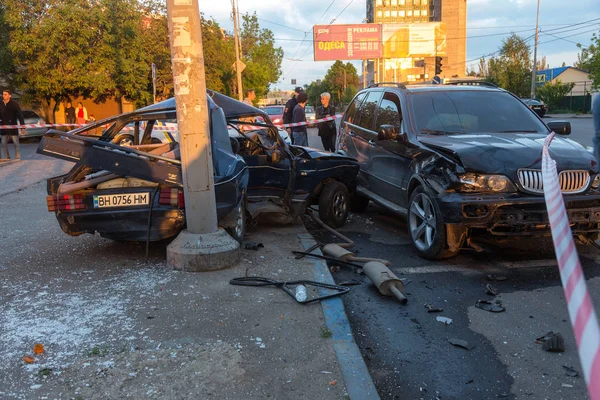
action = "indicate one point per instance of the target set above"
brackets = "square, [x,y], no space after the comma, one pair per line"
[340,205]
[422,221]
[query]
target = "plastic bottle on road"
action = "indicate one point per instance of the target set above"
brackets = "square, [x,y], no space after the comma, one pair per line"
[300,293]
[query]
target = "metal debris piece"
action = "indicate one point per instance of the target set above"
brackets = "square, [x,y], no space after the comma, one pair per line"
[492,277]
[555,343]
[386,282]
[566,385]
[444,320]
[489,306]
[430,308]
[253,246]
[492,291]
[570,371]
[461,343]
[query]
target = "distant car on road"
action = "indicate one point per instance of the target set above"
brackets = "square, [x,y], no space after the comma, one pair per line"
[275,113]
[536,105]
[310,116]
[134,191]
[31,117]
[462,163]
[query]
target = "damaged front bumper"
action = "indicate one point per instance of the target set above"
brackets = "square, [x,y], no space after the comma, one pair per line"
[517,215]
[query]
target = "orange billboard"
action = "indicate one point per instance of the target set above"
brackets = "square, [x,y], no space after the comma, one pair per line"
[347,42]
[425,39]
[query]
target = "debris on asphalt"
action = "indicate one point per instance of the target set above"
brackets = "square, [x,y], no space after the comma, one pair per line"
[310,250]
[469,381]
[253,246]
[430,308]
[336,251]
[570,371]
[492,291]
[566,385]
[444,320]
[489,306]
[552,341]
[353,282]
[492,277]
[461,343]
[28,359]
[385,281]
[38,348]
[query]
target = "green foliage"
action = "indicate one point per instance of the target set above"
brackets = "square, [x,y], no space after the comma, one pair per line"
[6,61]
[262,58]
[339,78]
[589,60]
[511,70]
[552,93]
[219,57]
[314,91]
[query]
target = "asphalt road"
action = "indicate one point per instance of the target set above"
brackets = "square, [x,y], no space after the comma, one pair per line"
[407,349]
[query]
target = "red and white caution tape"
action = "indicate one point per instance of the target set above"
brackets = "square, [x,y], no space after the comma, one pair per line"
[316,121]
[36,126]
[581,310]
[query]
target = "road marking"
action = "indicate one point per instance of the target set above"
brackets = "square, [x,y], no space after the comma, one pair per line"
[476,268]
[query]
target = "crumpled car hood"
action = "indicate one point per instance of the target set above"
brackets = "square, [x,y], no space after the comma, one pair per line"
[508,152]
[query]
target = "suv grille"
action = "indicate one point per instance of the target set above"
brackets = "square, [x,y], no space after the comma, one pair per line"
[575,181]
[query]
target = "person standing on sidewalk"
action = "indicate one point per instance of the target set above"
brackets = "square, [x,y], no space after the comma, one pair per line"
[10,114]
[70,113]
[300,137]
[288,111]
[326,128]
[81,113]
[250,96]
[596,115]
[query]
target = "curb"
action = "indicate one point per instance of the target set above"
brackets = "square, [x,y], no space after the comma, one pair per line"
[357,379]
[12,161]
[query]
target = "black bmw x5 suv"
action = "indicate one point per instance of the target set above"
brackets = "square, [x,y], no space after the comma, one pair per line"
[463,163]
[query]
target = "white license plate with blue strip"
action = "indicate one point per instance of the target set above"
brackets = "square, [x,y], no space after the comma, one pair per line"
[121,200]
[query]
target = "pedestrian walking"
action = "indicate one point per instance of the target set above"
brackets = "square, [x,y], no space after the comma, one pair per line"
[596,115]
[288,111]
[250,96]
[299,135]
[327,129]
[70,113]
[10,114]
[81,113]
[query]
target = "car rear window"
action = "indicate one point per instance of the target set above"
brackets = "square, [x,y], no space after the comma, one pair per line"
[273,110]
[472,112]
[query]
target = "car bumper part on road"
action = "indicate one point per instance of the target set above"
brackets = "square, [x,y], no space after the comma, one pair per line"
[514,215]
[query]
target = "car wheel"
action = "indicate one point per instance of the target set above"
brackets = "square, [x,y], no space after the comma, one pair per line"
[239,230]
[426,226]
[359,203]
[125,140]
[334,203]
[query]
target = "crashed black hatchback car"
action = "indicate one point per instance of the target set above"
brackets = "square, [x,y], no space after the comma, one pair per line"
[463,164]
[132,190]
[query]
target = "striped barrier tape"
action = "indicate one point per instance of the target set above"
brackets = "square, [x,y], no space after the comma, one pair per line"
[36,126]
[581,310]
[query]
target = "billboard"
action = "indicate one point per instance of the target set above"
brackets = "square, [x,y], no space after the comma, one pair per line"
[424,39]
[347,42]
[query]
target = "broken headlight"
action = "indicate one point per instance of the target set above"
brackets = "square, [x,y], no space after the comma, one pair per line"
[485,183]
[596,182]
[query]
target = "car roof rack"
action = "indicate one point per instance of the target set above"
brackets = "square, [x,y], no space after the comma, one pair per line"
[383,84]
[471,83]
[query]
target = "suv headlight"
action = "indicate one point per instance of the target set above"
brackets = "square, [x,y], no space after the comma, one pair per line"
[596,182]
[485,183]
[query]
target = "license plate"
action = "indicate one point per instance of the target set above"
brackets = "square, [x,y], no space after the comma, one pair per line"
[121,200]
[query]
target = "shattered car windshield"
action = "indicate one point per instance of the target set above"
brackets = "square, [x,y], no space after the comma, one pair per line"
[472,112]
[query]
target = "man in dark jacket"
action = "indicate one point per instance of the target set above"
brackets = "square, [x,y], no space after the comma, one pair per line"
[10,114]
[299,136]
[288,111]
[326,128]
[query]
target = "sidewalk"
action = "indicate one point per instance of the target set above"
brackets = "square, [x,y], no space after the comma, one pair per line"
[115,325]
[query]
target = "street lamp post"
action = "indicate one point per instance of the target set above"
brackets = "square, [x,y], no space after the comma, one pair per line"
[534,69]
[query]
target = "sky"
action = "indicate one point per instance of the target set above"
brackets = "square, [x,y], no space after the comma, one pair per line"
[562,24]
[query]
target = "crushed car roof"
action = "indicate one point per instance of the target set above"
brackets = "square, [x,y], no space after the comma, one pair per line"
[231,107]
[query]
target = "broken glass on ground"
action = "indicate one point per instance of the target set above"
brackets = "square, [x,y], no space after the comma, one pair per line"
[489,306]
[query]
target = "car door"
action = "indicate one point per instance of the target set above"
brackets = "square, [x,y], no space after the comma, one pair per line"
[390,155]
[364,136]
[347,132]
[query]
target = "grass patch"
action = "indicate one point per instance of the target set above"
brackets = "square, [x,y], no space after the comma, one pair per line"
[326,333]
[97,351]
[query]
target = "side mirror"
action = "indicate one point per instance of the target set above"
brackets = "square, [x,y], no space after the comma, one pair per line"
[560,127]
[387,132]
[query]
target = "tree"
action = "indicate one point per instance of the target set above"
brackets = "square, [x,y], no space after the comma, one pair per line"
[6,61]
[219,56]
[314,91]
[589,60]
[552,93]
[338,78]
[262,58]
[512,68]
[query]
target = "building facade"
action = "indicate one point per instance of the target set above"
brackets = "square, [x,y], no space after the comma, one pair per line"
[415,32]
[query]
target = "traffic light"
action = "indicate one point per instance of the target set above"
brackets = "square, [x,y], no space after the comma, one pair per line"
[438,65]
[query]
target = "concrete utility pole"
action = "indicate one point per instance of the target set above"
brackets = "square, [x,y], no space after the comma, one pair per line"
[236,39]
[203,245]
[534,69]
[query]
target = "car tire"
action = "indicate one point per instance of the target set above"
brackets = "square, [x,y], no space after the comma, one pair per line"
[426,226]
[334,203]
[124,140]
[239,230]
[359,203]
